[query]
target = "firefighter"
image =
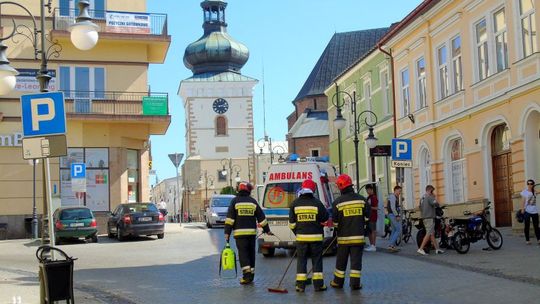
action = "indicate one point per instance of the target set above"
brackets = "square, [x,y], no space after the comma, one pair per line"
[243,215]
[307,217]
[350,215]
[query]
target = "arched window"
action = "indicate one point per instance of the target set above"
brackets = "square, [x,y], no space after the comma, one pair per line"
[457,174]
[221,126]
[425,169]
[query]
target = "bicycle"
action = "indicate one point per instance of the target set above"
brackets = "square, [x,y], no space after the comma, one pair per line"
[406,227]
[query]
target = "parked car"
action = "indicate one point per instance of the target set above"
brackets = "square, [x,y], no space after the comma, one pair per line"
[136,219]
[216,212]
[74,223]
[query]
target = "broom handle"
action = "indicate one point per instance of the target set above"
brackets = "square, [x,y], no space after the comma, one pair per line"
[287,269]
[324,252]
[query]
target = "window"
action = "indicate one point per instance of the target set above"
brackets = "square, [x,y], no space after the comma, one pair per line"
[501,40]
[82,84]
[367,98]
[71,8]
[351,171]
[133,175]
[482,49]
[421,80]
[442,59]
[405,97]
[457,74]
[315,152]
[221,126]
[97,178]
[385,87]
[425,169]
[528,27]
[457,167]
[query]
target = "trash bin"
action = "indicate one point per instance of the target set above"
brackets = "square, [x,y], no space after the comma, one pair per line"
[55,276]
[28,227]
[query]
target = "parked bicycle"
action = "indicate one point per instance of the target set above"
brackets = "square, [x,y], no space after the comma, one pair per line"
[406,227]
[473,229]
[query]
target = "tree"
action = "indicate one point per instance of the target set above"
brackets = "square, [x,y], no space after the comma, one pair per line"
[228,190]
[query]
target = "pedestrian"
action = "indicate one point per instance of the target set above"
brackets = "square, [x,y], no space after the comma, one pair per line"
[374,203]
[393,208]
[350,214]
[242,217]
[530,211]
[428,205]
[307,216]
[162,206]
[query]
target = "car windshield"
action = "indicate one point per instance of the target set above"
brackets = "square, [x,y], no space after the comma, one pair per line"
[76,214]
[135,208]
[281,195]
[221,201]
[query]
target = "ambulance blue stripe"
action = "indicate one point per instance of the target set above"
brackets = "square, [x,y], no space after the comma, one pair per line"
[276,211]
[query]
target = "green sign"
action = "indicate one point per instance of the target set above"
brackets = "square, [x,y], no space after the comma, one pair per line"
[155,105]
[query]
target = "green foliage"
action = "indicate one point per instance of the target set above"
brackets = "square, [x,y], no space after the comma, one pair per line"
[228,190]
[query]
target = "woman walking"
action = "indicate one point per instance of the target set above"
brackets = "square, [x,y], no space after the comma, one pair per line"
[530,211]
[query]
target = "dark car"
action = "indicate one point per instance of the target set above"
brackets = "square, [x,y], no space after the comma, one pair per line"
[136,219]
[74,223]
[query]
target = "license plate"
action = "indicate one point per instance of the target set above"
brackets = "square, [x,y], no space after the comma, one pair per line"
[278,223]
[76,225]
[145,219]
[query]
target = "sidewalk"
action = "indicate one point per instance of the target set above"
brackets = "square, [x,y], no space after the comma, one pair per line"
[515,260]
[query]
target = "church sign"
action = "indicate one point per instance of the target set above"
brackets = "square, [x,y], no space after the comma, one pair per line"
[155,105]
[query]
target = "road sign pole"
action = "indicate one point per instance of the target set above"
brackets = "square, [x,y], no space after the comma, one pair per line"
[49,206]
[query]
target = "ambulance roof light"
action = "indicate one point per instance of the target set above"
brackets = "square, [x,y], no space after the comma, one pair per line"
[293,157]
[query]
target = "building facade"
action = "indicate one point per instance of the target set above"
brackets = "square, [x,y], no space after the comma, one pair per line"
[369,79]
[110,111]
[218,102]
[467,76]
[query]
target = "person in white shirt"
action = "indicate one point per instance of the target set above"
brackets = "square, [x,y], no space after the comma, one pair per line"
[162,206]
[530,211]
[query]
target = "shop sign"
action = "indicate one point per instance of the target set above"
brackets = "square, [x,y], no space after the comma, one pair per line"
[27,82]
[128,23]
[11,140]
[153,105]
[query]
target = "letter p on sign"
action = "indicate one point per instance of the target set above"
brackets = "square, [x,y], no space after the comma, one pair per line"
[47,115]
[401,149]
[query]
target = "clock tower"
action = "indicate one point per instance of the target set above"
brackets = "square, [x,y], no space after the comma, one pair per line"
[218,104]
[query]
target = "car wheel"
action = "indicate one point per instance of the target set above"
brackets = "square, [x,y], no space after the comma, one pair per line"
[208,225]
[161,236]
[109,233]
[119,235]
[95,238]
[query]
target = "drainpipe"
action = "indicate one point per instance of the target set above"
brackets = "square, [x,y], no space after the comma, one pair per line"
[393,85]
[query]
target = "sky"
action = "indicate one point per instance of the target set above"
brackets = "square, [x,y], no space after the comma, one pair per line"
[286,37]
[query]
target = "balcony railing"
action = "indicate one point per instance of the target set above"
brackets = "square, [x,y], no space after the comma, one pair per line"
[116,103]
[115,22]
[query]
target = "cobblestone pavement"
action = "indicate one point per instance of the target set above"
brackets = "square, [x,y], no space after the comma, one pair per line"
[182,268]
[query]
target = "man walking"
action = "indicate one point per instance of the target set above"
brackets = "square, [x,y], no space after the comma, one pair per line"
[374,203]
[307,216]
[350,215]
[428,204]
[243,215]
[394,214]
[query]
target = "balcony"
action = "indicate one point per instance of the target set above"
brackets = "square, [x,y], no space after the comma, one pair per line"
[152,108]
[121,27]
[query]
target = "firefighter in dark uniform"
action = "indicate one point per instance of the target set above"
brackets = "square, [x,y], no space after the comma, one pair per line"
[243,215]
[306,219]
[350,215]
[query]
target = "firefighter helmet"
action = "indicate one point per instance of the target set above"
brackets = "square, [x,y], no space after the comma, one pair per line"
[343,181]
[309,184]
[245,186]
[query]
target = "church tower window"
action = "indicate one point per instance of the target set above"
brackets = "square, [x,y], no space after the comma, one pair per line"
[221,126]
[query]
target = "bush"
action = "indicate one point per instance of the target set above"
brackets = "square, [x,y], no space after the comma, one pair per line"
[228,190]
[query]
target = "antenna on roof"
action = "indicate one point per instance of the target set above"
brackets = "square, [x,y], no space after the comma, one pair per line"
[264,103]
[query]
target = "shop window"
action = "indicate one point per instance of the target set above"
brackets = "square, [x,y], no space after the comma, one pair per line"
[221,126]
[97,178]
[133,175]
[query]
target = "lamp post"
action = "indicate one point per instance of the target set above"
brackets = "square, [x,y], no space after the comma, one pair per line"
[84,36]
[207,178]
[340,122]
[237,170]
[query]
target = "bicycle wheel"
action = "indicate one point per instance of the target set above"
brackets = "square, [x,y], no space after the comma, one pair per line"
[407,231]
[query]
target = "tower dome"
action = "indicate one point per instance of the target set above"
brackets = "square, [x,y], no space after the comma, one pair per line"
[216,50]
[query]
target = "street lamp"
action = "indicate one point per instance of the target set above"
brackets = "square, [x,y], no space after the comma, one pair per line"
[237,169]
[207,178]
[84,36]
[340,122]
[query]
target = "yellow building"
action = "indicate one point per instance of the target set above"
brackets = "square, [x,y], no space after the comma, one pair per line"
[111,112]
[467,77]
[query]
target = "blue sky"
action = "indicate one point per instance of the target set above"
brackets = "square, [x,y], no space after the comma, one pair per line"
[288,36]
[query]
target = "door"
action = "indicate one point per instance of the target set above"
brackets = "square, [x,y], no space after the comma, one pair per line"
[502,176]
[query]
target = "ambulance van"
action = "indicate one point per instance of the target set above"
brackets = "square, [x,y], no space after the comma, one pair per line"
[280,189]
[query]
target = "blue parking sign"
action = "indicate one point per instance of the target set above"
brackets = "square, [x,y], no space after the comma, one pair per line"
[78,170]
[43,114]
[401,149]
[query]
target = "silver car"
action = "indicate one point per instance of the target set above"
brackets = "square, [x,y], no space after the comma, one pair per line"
[216,212]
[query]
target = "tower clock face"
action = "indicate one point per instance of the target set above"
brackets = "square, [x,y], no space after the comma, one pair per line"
[220,106]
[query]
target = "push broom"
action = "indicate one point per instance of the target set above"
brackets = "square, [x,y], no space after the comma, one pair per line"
[279,289]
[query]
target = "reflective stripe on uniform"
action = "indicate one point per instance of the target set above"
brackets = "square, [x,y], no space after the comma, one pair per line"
[244,205]
[292,225]
[263,223]
[355,274]
[347,240]
[245,268]
[306,209]
[339,273]
[229,221]
[309,237]
[239,232]
[301,277]
[318,276]
[352,204]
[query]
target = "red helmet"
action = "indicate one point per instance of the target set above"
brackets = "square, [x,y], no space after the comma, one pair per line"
[309,184]
[343,181]
[245,186]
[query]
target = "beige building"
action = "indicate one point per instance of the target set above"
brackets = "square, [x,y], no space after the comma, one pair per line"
[110,111]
